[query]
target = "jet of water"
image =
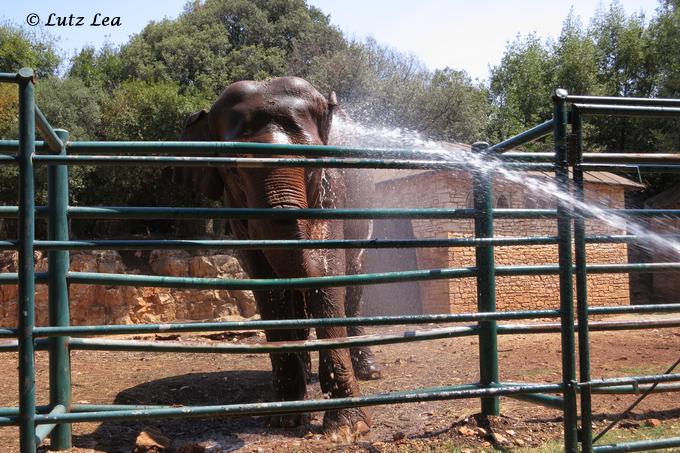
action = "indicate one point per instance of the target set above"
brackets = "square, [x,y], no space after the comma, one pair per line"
[349,133]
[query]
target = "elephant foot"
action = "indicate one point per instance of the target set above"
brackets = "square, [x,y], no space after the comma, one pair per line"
[289,420]
[346,425]
[364,365]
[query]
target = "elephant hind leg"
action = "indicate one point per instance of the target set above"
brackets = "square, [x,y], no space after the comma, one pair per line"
[363,361]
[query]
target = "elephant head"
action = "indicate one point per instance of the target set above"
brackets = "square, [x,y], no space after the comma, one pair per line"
[286,110]
[282,110]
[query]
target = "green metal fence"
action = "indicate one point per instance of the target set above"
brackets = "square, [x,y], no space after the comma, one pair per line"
[59,338]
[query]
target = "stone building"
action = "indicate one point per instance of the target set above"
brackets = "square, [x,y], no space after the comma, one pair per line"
[453,189]
[660,288]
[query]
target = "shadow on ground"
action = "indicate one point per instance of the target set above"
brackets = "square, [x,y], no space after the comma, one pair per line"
[228,387]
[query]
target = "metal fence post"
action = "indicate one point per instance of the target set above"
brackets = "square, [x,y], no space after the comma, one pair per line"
[566,273]
[26,271]
[60,364]
[486,281]
[580,257]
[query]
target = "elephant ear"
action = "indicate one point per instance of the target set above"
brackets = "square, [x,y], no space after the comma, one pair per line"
[326,117]
[206,180]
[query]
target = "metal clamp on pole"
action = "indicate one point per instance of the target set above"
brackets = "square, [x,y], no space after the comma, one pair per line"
[486,281]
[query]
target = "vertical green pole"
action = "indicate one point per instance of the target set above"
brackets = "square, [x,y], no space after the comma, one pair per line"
[26,299]
[486,282]
[566,272]
[60,364]
[582,289]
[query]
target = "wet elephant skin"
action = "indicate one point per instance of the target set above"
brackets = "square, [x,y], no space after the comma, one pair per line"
[289,110]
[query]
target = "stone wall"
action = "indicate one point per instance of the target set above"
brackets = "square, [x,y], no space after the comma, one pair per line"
[453,190]
[100,304]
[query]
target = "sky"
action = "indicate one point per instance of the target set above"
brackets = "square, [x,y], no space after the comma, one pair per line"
[469,35]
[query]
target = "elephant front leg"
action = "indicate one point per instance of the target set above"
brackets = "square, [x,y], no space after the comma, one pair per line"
[289,369]
[336,374]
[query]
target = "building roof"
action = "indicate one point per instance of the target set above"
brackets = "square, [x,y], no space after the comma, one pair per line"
[668,199]
[594,177]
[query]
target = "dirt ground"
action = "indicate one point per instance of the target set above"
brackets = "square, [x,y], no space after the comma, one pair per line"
[146,378]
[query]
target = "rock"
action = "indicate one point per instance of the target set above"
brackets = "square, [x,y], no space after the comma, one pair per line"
[397,436]
[202,266]
[245,301]
[150,440]
[466,432]
[101,304]
[653,422]
[500,439]
[170,262]
[482,432]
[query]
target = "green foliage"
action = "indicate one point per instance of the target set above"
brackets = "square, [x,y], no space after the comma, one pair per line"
[9,111]
[21,48]
[521,86]
[665,43]
[623,57]
[380,86]
[72,105]
[144,89]
[218,42]
[452,107]
[575,56]
[96,67]
[617,55]
[139,110]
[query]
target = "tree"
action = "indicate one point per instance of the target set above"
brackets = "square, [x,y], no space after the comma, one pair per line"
[665,38]
[71,104]
[623,46]
[521,86]
[576,59]
[9,111]
[625,68]
[139,111]
[20,48]
[97,68]
[380,86]
[220,41]
[453,107]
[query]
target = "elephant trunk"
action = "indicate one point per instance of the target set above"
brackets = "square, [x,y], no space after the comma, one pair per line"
[285,188]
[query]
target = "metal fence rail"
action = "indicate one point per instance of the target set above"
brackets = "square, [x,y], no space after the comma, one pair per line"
[56,152]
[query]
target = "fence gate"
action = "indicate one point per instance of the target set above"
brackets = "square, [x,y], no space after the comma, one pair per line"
[59,338]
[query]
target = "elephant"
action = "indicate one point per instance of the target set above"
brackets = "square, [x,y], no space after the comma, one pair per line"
[289,110]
